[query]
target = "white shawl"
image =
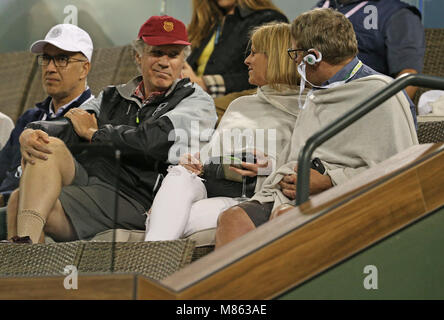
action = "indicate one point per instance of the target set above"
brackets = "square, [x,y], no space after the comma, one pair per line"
[270,112]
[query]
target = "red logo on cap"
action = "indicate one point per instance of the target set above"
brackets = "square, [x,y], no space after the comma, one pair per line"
[168,26]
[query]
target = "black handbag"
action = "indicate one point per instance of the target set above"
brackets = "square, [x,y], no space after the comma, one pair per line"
[218,185]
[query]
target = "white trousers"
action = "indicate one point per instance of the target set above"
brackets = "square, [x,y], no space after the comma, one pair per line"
[181,207]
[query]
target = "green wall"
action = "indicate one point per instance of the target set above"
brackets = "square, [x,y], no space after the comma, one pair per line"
[409,264]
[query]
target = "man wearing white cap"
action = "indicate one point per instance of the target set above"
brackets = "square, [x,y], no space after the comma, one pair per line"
[153,119]
[65,58]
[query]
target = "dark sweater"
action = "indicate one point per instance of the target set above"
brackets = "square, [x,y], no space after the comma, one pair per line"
[230,51]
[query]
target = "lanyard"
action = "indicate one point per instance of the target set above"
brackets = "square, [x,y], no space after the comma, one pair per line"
[353,72]
[216,40]
[301,71]
[351,12]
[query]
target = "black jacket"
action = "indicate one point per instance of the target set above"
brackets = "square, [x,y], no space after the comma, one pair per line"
[230,52]
[141,133]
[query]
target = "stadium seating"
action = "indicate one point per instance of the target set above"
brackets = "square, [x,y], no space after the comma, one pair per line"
[116,65]
[431,129]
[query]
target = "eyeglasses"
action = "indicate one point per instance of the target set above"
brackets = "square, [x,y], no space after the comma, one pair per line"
[60,60]
[293,53]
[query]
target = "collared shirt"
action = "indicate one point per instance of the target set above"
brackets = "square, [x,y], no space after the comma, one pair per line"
[345,72]
[52,115]
[139,93]
[364,71]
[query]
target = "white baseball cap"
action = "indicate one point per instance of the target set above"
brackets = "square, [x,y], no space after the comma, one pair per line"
[67,37]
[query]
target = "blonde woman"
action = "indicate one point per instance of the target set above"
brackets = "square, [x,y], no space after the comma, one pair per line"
[193,194]
[219,35]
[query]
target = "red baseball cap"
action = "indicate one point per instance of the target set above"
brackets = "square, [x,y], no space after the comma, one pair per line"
[162,30]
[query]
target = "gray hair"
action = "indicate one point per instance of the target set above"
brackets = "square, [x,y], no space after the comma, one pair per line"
[139,46]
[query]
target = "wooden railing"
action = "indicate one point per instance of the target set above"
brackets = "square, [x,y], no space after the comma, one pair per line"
[324,231]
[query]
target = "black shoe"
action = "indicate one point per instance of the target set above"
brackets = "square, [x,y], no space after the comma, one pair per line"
[17,239]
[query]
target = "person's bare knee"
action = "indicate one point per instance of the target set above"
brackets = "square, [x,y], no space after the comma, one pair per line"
[58,226]
[64,159]
[281,209]
[59,163]
[232,224]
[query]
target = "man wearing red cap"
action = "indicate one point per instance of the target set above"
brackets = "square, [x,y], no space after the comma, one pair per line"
[153,118]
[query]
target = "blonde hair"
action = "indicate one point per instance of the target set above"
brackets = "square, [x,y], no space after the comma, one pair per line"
[206,14]
[327,31]
[273,39]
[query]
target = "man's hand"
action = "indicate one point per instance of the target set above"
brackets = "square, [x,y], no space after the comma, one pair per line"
[33,144]
[318,183]
[288,186]
[84,123]
[188,72]
[191,163]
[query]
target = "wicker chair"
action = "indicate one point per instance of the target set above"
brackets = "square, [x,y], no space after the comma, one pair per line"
[35,92]
[434,57]
[156,260]
[104,67]
[16,70]
[431,130]
[127,68]
[204,240]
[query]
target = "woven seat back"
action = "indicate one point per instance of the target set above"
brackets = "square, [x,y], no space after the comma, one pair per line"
[104,67]
[35,92]
[434,57]
[127,68]
[155,260]
[16,69]
[430,131]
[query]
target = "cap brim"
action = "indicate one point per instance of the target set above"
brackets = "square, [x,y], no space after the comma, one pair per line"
[37,47]
[159,41]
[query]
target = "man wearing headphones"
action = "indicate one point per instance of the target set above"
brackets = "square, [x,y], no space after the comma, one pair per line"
[325,48]
[390,35]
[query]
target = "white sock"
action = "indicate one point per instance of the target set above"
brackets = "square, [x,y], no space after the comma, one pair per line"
[30,223]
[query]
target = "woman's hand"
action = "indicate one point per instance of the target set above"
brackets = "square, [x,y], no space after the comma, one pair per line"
[191,163]
[262,167]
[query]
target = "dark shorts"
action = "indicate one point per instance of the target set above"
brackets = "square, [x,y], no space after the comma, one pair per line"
[258,212]
[89,203]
